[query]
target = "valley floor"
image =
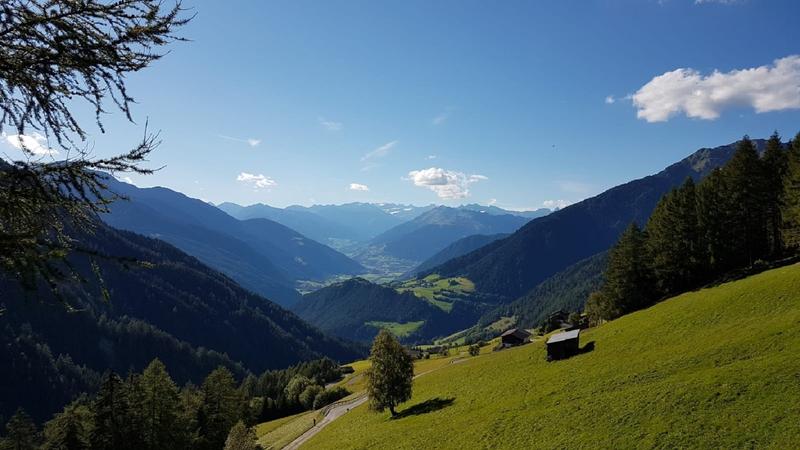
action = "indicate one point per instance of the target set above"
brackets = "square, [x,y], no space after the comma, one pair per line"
[717,368]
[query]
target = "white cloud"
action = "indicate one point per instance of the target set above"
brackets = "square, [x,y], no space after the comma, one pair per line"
[430,157]
[252,142]
[447,184]
[379,152]
[358,187]
[764,88]
[35,143]
[330,125]
[556,204]
[257,181]
[721,2]
[610,100]
[491,201]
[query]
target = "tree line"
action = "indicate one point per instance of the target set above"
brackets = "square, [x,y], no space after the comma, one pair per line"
[148,410]
[743,214]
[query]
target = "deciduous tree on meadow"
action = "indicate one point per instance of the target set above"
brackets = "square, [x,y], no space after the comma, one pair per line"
[391,376]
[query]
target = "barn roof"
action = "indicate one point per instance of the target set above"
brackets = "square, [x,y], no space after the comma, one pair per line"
[517,332]
[565,336]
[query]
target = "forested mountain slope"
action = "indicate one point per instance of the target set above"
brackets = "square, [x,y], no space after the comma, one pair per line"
[512,266]
[173,307]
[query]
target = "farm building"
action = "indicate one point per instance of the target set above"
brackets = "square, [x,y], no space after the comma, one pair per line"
[563,345]
[414,353]
[514,337]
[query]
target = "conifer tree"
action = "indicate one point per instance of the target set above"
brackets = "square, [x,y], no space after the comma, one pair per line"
[747,193]
[70,429]
[628,279]
[221,409]
[791,198]
[390,378]
[716,214]
[21,433]
[775,165]
[110,410]
[674,241]
[160,409]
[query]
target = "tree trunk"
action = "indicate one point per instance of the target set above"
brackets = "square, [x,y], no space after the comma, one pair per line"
[391,410]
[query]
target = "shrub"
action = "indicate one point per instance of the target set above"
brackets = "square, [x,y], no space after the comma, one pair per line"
[328,396]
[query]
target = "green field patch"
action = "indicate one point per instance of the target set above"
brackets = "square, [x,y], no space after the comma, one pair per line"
[440,292]
[398,329]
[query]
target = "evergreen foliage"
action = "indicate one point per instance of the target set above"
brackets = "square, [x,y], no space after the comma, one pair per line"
[742,213]
[791,197]
[390,378]
[21,433]
[51,55]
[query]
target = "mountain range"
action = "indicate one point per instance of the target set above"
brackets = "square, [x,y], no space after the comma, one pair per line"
[260,254]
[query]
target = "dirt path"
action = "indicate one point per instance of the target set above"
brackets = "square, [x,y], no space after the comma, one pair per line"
[339,409]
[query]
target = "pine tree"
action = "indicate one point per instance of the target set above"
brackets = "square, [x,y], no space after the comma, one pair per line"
[775,163]
[21,433]
[791,198]
[160,409]
[748,197]
[674,241]
[716,214]
[390,378]
[110,409]
[628,279]
[241,438]
[221,409]
[70,429]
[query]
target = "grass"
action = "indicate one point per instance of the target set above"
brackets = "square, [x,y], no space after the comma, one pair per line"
[717,368]
[400,330]
[278,433]
[440,292]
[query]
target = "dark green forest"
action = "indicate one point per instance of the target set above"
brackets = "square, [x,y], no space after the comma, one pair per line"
[742,217]
[148,410]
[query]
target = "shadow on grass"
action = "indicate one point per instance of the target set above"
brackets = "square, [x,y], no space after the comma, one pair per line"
[589,347]
[425,407]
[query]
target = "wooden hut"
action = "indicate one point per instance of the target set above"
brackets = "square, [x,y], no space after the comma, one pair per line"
[514,337]
[563,345]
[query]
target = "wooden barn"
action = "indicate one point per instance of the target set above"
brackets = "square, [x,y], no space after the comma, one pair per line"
[514,337]
[563,345]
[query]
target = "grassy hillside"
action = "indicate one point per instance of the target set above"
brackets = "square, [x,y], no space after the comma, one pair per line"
[715,368]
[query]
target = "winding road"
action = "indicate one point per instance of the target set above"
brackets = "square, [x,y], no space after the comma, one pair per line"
[341,408]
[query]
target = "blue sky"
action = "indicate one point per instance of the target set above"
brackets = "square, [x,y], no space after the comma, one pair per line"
[456,101]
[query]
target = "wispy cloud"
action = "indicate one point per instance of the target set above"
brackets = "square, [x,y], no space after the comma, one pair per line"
[430,157]
[447,184]
[774,87]
[442,117]
[252,142]
[358,187]
[556,204]
[330,125]
[610,100]
[257,181]
[719,2]
[379,152]
[35,143]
